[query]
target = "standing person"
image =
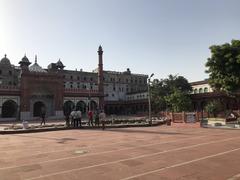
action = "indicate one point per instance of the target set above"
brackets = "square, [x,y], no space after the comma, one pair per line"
[102,117]
[90,118]
[79,118]
[67,112]
[43,114]
[73,118]
[97,118]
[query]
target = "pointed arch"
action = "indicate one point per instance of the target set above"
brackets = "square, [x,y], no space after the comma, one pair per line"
[9,109]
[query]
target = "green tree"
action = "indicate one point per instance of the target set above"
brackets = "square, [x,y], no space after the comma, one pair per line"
[177,82]
[158,92]
[165,91]
[213,108]
[179,101]
[224,67]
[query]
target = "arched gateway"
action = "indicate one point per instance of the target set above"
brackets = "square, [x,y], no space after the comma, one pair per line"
[9,109]
[37,107]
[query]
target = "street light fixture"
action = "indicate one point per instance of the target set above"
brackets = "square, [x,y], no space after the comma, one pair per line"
[149,99]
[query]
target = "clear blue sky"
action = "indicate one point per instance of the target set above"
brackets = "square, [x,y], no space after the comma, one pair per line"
[160,36]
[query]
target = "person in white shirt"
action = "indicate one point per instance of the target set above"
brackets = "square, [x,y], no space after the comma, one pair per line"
[73,118]
[79,118]
[102,117]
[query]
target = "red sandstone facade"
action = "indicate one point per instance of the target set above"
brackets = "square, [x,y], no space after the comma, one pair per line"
[25,89]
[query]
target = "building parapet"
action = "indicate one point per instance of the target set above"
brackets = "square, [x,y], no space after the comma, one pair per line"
[9,87]
[9,90]
[124,73]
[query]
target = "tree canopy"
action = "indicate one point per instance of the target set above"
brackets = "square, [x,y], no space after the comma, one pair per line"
[171,93]
[224,67]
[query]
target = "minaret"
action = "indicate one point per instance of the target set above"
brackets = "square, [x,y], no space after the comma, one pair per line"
[100,78]
[24,63]
[35,59]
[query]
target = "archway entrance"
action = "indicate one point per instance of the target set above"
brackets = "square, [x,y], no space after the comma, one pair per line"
[93,106]
[81,106]
[69,105]
[9,109]
[37,108]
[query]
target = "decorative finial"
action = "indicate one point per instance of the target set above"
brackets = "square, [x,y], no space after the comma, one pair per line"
[5,55]
[35,59]
[100,48]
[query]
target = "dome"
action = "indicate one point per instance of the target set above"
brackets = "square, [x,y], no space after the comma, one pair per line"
[5,60]
[25,59]
[36,68]
[60,64]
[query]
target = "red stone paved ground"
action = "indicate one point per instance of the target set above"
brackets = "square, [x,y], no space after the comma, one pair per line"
[165,152]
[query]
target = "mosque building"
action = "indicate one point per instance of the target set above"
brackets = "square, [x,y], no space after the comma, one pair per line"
[26,88]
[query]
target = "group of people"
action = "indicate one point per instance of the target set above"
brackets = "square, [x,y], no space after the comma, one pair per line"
[97,117]
[74,118]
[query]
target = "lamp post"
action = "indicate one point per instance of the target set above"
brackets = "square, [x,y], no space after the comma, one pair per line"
[149,100]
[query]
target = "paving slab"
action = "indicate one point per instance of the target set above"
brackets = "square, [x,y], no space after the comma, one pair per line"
[180,151]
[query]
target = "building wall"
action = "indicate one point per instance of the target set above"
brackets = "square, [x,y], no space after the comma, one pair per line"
[201,88]
[54,86]
[118,84]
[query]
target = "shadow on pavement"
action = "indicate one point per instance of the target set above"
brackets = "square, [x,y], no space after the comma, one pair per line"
[60,140]
[142,131]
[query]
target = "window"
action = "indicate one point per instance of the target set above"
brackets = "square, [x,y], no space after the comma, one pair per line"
[195,91]
[78,78]
[0,71]
[200,90]
[10,73]
[71,77]
[205,89]
[91,79]
[84,78]
[112,95]
[114,88]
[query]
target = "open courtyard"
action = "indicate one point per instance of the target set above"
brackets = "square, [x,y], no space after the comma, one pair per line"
[180,151]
